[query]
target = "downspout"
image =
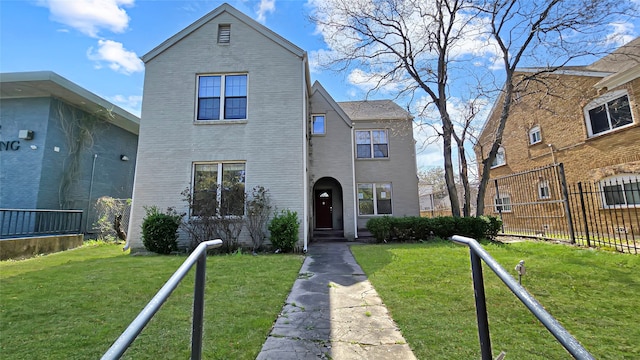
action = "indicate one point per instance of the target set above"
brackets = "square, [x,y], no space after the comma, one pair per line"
[93,171]
[305,180]
[355,190]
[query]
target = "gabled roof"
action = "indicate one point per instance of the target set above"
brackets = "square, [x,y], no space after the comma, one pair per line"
[49,84]
[317,87]
[374,110]
[622,59]
[224,8]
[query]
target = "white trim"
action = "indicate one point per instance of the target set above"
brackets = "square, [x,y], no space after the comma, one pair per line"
[617,79]
[223,95]
[375,198]
[603,100]
[371,144]
[324,124]
[502,205]
[504,158]
[618,180]
[535,129]
[353,179]
[564,71]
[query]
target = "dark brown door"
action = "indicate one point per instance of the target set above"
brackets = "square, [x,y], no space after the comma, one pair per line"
[324,208]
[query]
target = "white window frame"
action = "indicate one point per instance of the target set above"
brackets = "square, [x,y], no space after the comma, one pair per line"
[499,202]
[535,135]
[543,186]
[501,154]
[375,198]
[372,144]
[219,179]
[324,124]
[603,100]
[619,181]
[221,114]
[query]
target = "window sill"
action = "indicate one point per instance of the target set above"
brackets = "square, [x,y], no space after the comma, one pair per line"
[614,131]
[372,159]
[321,135]
[499,165]
[373,215]
[535,143]
[219,122]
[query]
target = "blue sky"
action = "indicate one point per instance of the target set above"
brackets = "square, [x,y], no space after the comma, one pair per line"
[97,43]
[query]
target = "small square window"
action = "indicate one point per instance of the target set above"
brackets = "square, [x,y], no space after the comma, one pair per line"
[535,136]
[224,34]
[318,126]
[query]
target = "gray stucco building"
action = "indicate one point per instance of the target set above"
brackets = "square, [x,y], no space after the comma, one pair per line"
[61,146]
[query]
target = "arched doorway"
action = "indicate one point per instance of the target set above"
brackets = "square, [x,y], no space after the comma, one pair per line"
[327,204]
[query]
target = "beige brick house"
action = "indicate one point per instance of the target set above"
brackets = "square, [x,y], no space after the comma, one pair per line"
[227,100]
[585,117]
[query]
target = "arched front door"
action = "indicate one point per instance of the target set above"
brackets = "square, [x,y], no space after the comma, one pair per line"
[327,204]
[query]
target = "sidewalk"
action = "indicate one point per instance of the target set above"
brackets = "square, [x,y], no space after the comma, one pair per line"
[333,312]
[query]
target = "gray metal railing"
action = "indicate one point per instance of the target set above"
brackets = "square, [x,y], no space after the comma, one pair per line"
[478,253]
[199,256]
[34,222]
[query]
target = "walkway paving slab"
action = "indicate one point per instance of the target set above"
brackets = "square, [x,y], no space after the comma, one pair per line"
[333,312]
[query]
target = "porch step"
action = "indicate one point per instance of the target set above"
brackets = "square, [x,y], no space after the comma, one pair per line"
[328,235]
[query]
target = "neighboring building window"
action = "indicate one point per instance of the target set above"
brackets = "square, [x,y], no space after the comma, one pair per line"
[621,191]
[372,144]
[376,202]
[544,192]
[215,90]
[607,113]
[535,136]
[224,34]
[500,158]
[318,124]
[502,204]
[218,188]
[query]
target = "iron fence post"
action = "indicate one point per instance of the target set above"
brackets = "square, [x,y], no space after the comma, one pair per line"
[584,214]
[565,195]
[500,200]
[481,306]
[198,307]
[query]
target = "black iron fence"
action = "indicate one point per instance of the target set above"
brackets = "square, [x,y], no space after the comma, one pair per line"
[24,223]
[539,203]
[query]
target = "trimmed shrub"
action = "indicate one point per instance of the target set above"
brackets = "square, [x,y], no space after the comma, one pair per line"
[284,230]
[415,228]
[160,230]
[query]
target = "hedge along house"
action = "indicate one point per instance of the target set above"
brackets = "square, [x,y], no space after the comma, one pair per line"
[61,146]
[227,100]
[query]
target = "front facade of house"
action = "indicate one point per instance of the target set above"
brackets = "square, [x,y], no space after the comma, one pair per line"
[588,119]
[40,115]
[229,104]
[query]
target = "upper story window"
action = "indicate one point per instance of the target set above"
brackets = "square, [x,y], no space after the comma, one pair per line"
[535,136]
[224,34]
[372,144]
[500,158]
[318,124]
[621,191]
[374,199]
[608,113]
[218,188]
[222,97]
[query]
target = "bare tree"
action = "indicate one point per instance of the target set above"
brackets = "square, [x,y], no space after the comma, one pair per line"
[430,52]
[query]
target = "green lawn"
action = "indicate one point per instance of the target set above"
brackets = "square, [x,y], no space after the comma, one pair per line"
[74,304]
[427,287]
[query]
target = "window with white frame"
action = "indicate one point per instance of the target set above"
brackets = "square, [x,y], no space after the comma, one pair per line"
[222,97]
[372,144]
[500,158]
[374,199]
[607,113]
[535,136]
[218,188]
[621,191]
[318,126]
[544,192]
[502,204]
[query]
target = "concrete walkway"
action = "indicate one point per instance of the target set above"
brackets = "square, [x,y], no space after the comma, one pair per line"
[333,312]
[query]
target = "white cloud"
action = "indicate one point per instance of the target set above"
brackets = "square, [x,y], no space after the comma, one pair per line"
[116,56]
[622,33]
[367,81]
[265,6]
[90,16]
[131,103]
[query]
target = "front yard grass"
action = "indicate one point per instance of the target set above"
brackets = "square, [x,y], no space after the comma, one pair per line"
[74,304]
[428,291]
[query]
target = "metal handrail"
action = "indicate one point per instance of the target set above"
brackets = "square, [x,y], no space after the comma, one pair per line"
[199,256]
[477,253]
